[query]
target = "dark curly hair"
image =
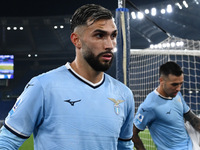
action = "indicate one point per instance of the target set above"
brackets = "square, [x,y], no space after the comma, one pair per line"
[170,67]
[89,12]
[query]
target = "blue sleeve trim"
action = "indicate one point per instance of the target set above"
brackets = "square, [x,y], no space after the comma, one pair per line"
[125,139]
[19,135]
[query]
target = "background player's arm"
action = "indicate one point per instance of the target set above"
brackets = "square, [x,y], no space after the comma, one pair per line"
[193,119]
[136,139]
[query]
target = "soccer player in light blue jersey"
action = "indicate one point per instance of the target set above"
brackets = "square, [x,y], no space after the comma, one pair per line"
[164,112]
[76,106]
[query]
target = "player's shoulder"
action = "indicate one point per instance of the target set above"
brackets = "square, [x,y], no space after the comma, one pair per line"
[57,72]
[49,76]
[115,82]
[150,99]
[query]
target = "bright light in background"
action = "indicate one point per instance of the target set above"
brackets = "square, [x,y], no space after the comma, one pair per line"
[179,6]
[140,15]
[61,26]
[14,28]
[162,11]
[55,27]
[146,11]
[133,15]
[164,45]
[167,45]
[185,4]
[153,11]
[173,44]
[8,28]
[21,28]
[169,8]
[179,43]
[196,2]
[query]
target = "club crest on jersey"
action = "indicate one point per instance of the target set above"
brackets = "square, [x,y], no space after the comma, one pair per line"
[116,105]
[179,99]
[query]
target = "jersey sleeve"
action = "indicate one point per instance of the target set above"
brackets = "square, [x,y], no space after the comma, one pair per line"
[125,145]
[27,113]
[9,140]
[143,116]
[186,108]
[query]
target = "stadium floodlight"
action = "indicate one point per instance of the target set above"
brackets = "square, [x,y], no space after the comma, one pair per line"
[162,11]
[146,11]
[8,28]
[140,15]
[179,6]
[153,11]
[185,4]
[133,15]
[169,8]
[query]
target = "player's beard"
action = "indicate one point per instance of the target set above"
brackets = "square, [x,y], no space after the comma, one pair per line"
[94,61]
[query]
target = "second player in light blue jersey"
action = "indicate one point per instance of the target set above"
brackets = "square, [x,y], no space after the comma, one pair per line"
[76,106]
[164,112]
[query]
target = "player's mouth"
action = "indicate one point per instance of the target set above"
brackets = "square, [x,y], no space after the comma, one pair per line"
[175,94]
[107,56]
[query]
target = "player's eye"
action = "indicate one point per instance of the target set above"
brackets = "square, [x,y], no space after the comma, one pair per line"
[114,35]
[176,84]
[99,35]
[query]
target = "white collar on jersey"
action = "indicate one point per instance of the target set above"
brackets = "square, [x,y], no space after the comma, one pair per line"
[169,98]
[82,78]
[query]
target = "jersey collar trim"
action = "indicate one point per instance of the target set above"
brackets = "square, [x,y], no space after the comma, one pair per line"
[167,98]
[96,85]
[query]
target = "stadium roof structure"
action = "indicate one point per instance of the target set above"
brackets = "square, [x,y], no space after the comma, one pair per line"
[42,27]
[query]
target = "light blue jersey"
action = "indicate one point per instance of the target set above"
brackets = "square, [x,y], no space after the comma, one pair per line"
[66,112]
[164,118]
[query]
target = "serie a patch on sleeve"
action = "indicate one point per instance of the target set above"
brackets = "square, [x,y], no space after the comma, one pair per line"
[19,100]
[140,118]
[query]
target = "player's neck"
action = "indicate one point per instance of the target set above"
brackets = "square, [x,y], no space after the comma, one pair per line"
[87,72]
[162,93]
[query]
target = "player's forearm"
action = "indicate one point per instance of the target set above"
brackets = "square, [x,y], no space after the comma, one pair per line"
[195,122]
[9,141]
[193,119]
[138,143]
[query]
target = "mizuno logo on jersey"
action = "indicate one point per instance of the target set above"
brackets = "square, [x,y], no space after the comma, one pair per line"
[72,102]
[144,110]
[29,85]
[169,112]
[116,105]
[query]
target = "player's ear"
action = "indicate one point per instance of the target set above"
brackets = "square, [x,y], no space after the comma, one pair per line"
[161,79]
[75,40]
